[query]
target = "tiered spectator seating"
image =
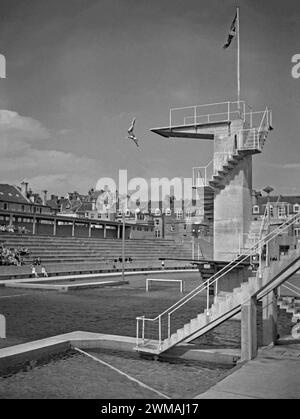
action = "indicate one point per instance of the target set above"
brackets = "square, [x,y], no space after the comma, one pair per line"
[69,254]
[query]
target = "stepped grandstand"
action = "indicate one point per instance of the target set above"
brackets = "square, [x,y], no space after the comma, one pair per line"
[66,255]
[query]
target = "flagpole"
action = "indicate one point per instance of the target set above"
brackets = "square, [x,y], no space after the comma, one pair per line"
[238,57]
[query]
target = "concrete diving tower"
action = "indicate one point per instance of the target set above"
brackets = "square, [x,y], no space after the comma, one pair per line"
[237,133]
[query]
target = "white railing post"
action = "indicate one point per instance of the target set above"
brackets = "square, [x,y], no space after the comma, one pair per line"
[159,332]
[207,297]
[193,249]
[228,111]
[169,326]
[170,118]
[137,332]
[260,262]
[143,333]
[195,115]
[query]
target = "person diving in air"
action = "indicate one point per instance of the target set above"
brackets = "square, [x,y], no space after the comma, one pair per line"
[131,135]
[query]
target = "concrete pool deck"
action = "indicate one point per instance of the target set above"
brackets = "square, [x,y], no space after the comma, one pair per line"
[3,282]
[64,287]
[65,283]
[274,374]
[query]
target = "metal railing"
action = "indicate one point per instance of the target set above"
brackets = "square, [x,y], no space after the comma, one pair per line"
[155,330]
[202,175]
[251,139]
[291,287]
[211,112]
[219,112]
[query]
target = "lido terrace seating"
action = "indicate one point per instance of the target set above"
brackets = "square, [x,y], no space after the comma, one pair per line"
[66,255]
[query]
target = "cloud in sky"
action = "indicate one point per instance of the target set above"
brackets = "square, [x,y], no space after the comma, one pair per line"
[21,157]
[16,127]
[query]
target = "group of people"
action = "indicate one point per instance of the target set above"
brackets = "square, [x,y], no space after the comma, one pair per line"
[129,259]
[34,268]
[10,228]
[12,256]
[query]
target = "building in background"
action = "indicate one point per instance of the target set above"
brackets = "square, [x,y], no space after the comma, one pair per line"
[23,200]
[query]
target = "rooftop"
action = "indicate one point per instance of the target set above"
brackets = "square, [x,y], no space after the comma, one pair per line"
[11,193]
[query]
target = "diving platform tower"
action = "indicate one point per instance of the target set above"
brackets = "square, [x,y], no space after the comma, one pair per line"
[238,133]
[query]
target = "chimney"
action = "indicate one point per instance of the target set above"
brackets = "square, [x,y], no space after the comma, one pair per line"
[24,189]
[45,197]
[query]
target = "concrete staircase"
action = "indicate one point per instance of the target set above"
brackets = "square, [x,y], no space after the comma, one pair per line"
[290,305]
[253,144]
[225,305]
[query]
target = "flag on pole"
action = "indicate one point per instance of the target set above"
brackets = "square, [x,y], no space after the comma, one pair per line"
[232,32]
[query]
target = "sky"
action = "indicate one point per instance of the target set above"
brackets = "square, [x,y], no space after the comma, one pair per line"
[78,71]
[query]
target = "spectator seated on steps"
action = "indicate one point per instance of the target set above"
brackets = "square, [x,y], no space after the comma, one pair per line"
[10,256]
[33,271]
[22,230]
[44,272]
[11,228]
[24,251]
[37,261]
[129,259]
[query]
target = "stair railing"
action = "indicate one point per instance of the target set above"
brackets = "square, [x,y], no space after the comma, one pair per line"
[262,227]
[291,287]
[201,175]
[220,159]
[205,286]
[265,120]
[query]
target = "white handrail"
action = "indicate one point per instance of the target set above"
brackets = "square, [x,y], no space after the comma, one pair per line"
[199,169]
[230,108]
[201,106]
[290,287]
[263,222]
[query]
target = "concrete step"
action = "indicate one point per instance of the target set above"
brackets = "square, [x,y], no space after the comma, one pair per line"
[180,334]
[187,329]
[193,323]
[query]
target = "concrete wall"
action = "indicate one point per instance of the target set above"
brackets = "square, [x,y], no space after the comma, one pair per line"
[232,211]
[234,279]
[233,204]
[142,234]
